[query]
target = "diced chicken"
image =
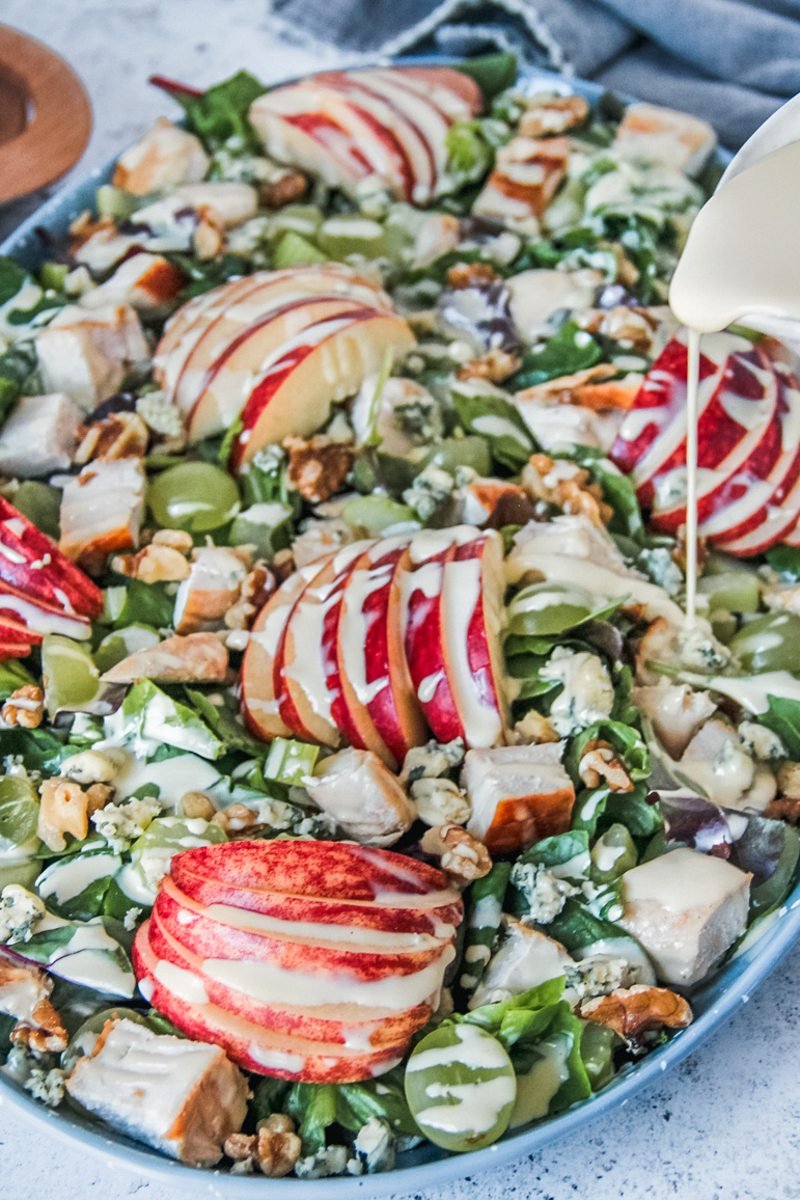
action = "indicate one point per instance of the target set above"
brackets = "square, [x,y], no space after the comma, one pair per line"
[599,388]
[231,203]
[559,426]
[523,959]
[686,909]
[526,177]
[183,1097]
[104,247]
[437,234]
[536,295]
[548,114]
[87,352]
[518,794]
[39,436]
[102,510]
[675,712]
[562,549]
[25,995]
[148,282]
[196,658]
[164,157]
[363,797]
[215,580]
[718,764]
[664,135]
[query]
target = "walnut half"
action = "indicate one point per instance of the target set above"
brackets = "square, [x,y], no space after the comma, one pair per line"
[632,1012]
[461,856]
[274,1147]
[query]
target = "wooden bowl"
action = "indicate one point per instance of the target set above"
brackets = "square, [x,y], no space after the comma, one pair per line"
[45,115]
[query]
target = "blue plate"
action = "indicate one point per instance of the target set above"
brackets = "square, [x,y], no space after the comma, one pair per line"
[427,1166]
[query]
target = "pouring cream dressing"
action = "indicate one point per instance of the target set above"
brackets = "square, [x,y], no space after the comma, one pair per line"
[741,263]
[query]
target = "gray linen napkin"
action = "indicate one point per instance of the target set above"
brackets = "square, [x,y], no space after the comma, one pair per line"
[731,61]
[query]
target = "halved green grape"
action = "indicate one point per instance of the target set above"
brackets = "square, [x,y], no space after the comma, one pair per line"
[770,642]
[70,676]
[350,233]
[19,812]
[304,219]
[461,1087]
[197,496]
[375,514]
[612,854]
[41,504]
[544,609]
[122,642]
[290,762]
[116,202]
[735,591]
[461,452]
[293,250]
[266,526]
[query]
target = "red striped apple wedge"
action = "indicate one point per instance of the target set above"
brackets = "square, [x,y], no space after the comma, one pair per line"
[373,127]
[296,956]
[371,655]
[295,390]
[454,598]
[16,641]
[260,706]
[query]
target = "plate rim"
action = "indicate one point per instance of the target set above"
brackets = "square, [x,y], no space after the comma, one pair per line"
[769,949]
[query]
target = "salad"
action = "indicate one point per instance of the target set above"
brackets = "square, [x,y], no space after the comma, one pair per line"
[363,782]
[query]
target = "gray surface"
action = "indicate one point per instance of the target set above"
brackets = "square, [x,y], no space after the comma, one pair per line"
[725,1124]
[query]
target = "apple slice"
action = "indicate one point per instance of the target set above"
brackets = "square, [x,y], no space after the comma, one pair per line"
[454,92]
[307,680]
[260,706]
[472,604]
[324,365]
[33,566]
[323,1022]
[16,641]
[18,609]
[311,141]
[430,120]
[372,661]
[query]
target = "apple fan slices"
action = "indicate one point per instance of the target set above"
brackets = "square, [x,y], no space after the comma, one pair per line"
[382,642]
[303,959]
[269,354]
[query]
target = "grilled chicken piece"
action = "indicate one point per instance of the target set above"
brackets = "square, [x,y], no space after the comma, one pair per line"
[101,511]
[87,352]
[363,797]
[164,157]
[526,177]
[518,794]
[39,436]
[215,580]
[182,1097]
[197,658]
[663,135]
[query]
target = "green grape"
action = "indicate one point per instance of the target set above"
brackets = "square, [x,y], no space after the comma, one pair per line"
[350,233]
[293,250]
[71,679]
[735,591]
[612,854]
[22,873]
[375,514]
[267,526]
[544,609]
[304,219]
[468,451]
[194,495]
[460,1087]
[19,811]
[770,642]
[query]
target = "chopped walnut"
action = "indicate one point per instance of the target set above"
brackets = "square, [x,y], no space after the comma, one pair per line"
[208,238]
[495,365]
[636,327]
[24,707]
[274,1147]
[256,589]
[236,818]
[176,539]
[288,187]
[632,1012]
[784,808]
[600,764]
[567,486]
[120,435]
[65,808]
[552,115]
[318,467]
[196,804]
[464,275]
[679,552]
[461,856]
[156,563]
[25,994]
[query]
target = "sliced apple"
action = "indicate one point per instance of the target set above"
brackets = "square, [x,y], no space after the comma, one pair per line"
[371,653]
[307,680]
[31,563]
[260,705]
[19,609]
[16,641]
[326,363]
[456,93]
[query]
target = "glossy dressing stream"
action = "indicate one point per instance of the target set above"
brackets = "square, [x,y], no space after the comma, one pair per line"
[741,263]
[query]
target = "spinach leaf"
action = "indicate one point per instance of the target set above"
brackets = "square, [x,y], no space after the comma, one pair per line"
[493,73]
[786,561]
[223,718]
[12,279]
[494,418]
[221,112]
[618,491]
[571,349]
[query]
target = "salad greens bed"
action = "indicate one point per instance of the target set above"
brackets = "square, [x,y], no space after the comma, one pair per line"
[656,727]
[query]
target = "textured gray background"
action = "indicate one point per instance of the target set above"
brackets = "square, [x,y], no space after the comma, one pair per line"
[727,1123]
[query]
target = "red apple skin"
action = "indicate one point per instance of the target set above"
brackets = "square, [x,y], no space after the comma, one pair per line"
[315,870]
[16,641]
[209,938]
[321,1023]
[484,649]
[425,649]
[464,86]
[318,1062]
[205,890]
[259,701]
[44,574]
[271,410]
